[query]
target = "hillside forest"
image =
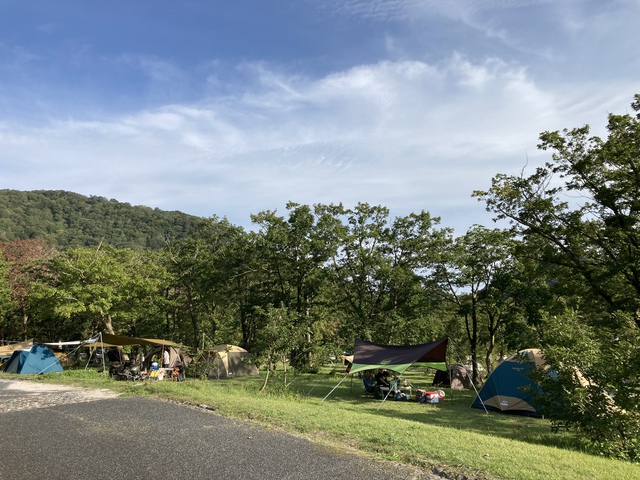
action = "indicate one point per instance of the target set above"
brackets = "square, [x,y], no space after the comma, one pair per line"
[564,276]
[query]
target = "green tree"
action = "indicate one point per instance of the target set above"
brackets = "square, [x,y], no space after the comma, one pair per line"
[277,339]
[377,273]
[580,214]
[293,253]
[100,288]
[595,236]
[576,392]
[474,273]
[205,268]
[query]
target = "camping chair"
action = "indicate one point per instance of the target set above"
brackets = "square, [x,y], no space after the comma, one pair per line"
[369,385]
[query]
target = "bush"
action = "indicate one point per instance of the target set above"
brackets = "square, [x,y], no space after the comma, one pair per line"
[592,387]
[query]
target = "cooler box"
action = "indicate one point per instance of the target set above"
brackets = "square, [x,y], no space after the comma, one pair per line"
[424,396]
[431,397]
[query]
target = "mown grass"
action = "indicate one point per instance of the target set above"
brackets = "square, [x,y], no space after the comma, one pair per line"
[448,436]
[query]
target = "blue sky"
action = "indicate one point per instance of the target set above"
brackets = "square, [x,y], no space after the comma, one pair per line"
[230,108]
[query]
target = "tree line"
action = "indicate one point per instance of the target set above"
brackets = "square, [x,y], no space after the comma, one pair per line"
[564,276]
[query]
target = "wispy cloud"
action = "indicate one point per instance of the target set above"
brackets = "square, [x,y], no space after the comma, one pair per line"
[394,133]
[447,95]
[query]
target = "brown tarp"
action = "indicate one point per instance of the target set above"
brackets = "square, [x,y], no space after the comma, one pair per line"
[7,350]
[120,340]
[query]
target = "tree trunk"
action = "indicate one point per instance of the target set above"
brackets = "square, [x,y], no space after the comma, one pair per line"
[266,377]
[25,325]
[108,323]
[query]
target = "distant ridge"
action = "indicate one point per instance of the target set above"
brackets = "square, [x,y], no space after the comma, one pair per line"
[68,219]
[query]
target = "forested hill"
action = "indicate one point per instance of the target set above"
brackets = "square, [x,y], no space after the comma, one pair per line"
[68,219]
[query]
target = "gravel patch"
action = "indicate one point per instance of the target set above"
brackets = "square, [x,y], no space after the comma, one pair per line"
[17,396]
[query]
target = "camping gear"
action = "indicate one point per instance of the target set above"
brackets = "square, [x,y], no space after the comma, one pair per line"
[401,396]
[397,358]
[35,359]
[509,388]
[176,357]
[369,383]
[431,397]
[130,373]
[178,373]
[107,340]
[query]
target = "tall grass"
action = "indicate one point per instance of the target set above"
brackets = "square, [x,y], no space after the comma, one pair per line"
[447,436]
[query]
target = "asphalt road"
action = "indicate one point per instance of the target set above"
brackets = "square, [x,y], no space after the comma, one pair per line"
[62,433]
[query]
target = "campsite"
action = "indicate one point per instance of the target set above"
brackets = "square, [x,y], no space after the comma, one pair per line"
[332,407]
[448,436]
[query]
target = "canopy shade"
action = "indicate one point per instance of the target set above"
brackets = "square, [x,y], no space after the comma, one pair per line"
[398,358]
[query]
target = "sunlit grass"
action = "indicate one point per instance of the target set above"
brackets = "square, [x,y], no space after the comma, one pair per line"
[448,435]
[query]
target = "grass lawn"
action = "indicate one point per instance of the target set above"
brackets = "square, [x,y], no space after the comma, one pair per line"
[448,436]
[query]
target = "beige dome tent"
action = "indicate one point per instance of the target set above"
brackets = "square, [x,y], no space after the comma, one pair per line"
[457,377]
[230,361]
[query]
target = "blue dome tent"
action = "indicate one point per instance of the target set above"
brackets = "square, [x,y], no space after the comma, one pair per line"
[509,388]
[36,359]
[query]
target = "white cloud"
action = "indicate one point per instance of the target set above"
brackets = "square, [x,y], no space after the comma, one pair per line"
[408,135]
[411,104]
[418,127]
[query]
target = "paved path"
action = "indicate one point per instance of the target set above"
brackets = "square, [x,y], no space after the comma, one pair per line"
[68,433]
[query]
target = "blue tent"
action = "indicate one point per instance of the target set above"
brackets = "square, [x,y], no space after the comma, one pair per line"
[509,388]
[37,359]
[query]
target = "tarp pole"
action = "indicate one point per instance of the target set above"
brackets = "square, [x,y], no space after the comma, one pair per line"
[479,398]
[47,367]
[384,399]
[104,367]
[343,378]
[316,384]
[86,367]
